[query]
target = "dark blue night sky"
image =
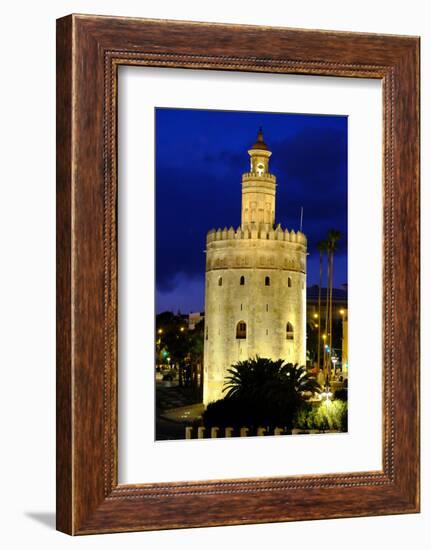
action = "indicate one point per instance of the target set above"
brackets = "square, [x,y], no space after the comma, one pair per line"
[200,157]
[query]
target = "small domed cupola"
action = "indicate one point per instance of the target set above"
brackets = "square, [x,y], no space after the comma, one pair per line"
[259,156]
[260,144]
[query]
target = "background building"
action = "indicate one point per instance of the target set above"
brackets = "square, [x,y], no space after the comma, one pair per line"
[255,285]
[194,319]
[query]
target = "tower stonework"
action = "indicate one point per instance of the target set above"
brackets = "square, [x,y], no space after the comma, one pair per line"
[255,284]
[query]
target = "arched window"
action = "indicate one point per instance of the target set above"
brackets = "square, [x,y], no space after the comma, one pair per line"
[289,282]
[241,330]
[242,280]
[267,281]
[220,281]
[289,331]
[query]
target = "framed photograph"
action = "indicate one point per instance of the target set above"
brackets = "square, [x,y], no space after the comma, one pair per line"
[237,274]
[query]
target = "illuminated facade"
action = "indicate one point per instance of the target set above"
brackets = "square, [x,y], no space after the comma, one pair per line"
[255,288]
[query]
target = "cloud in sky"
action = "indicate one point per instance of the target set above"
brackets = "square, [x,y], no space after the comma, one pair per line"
[200,156]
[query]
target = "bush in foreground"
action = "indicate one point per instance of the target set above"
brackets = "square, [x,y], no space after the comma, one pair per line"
[329,415]
[261,392]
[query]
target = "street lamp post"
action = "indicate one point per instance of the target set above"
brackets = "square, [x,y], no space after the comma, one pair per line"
[343,350]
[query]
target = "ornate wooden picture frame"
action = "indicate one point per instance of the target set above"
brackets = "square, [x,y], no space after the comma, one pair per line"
[89,51]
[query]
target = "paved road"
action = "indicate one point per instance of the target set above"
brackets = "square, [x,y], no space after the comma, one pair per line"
[176,408]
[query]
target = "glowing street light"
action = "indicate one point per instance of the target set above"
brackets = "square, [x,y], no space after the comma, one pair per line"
[326,395]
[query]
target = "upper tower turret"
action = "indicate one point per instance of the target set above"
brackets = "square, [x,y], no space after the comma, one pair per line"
[258,188]
[259,156]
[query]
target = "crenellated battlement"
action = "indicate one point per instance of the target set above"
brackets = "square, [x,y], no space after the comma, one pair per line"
[247,176]
[262,233]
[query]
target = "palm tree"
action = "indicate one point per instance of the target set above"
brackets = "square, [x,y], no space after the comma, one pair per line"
[247,379]
[333,237]
[327,317]
[270,392]
[321,247]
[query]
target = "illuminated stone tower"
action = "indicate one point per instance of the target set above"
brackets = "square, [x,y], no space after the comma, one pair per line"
[255,283]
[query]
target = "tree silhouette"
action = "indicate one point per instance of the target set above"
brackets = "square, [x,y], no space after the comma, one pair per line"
[262,392]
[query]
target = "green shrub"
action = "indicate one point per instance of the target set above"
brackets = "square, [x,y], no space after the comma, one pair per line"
[329,415]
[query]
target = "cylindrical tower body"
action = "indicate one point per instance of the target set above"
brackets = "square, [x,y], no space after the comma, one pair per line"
[255,287]
[255,294]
